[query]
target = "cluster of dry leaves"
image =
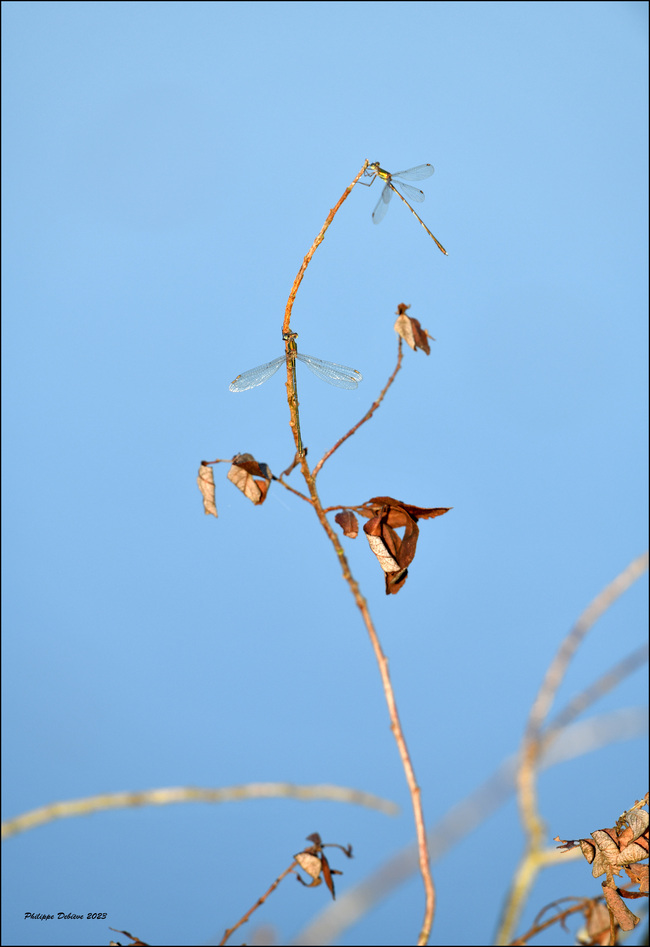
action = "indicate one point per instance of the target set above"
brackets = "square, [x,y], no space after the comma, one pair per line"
[385,515]
[609,851]
[312,860]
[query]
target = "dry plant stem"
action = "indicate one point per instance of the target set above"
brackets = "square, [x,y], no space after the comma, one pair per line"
[185,794]
[607,682]
[367,416]
[258,903]
[319,239]
[382,662]
[463,819]
[293,489]
[291,366]
[569,646]
[538,926]
[395,724]
[532,745]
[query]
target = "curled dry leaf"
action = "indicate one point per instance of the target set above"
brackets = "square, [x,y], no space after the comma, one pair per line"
[625,919]
[348,523]
[371,506]
[611,850]
[382,542]
[313,861]
[394,553]
[327,875]
[637,819]
[411,331]
[251,477]
[205,481]
[309,863]
[596,928]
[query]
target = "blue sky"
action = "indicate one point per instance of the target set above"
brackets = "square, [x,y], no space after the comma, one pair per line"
[166,168]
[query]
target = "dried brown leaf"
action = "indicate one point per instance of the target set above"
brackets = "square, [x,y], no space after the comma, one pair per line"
[395,581]
[384,542]
[374,504]
[394,553]
[638,821]
[622,914]
[639,875]
[313,861]
[327,876]
[348,523]
[412,332]
[251,477]
[205,481]
[309,863]
[611,850]
[597,922]
[588,849]
[409,542]
[615,852]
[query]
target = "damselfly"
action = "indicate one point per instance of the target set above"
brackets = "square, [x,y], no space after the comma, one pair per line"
[338,375]
[392,184]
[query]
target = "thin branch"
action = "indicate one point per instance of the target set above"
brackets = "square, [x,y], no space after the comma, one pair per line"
[464,818]
[362,605]
[609,680]
[258,903]
[292,489]
[319,239]
[530,864]
[389,694]
[569,646]
[163,797]
[539,926]
[292,398]
[367,415]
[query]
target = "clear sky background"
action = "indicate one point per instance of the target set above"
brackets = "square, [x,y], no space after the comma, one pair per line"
[166,167]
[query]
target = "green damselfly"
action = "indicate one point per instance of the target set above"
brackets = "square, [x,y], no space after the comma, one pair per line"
[334,374]
[393,185]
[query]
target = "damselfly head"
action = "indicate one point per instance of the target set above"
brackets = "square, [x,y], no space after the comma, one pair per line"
[381,173]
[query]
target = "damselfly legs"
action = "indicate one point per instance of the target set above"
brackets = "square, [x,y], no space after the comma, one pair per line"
[393,185]
[338,375]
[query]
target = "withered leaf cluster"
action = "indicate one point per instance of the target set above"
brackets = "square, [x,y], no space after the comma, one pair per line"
[385,516]
[250,476]
[611,850]
[313,862]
